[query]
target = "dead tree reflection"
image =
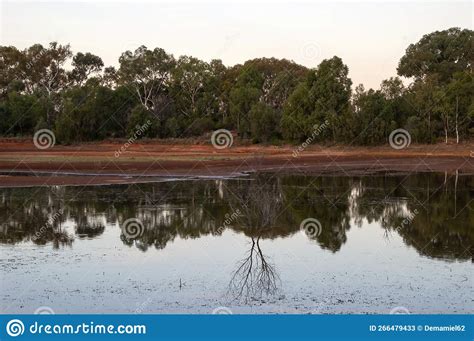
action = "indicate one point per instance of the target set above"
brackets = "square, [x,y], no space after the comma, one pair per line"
[255,276]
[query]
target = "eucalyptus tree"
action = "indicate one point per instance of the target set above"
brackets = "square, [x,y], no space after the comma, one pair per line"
[435,63]
[263,99]
[244,94]
[38,72]
[324,95]
[37,68]
[85,65]
[373,117]
[10,60]
[440,53]
[196,94]
[93,112]
[44,68]
[267,81]
[213,99]
[189,77]
[109,77]
[459,98]
[148,73]
[397,108]
[44,71]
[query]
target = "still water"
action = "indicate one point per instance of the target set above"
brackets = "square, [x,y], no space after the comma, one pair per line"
[259,244]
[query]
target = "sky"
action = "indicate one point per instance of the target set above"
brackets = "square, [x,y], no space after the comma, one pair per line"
[369,36]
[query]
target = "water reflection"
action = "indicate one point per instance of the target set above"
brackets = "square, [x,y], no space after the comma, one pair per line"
[255,276]
[433,213]
[260,206]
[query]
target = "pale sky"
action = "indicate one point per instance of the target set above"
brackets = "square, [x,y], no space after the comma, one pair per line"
[370,36]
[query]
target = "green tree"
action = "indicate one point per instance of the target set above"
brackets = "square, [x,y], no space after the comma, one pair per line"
[189,78]
[264,122]
[93,111]
[436,94]
[323,96]
[195,92]
[459,98]
[22,112]
[142,119]
[10,60]
[265,80]
[243,96]
[374,117]
[440,54]
[148,73]
[84,66]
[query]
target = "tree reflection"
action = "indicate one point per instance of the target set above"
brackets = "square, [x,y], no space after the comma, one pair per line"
[254,276]
[323,198]
[37,218]
[260,205]
[439,208]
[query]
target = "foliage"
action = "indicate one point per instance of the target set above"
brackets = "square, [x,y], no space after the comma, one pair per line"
[264,99]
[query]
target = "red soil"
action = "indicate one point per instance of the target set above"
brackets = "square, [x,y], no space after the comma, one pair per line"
[98,163]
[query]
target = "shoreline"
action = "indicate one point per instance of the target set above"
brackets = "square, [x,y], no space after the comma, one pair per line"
[22,165]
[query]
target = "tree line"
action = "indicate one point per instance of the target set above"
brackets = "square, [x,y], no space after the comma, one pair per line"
[266,100]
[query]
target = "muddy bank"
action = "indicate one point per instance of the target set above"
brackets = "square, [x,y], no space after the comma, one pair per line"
[21,164]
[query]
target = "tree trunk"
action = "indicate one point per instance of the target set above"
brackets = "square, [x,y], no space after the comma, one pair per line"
[455,192]
[429,125]
[456,120]
[446,130]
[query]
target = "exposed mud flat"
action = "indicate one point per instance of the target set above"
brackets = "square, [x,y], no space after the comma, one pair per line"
[22,164]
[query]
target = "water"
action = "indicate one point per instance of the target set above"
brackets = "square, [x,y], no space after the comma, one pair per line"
[373,244]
